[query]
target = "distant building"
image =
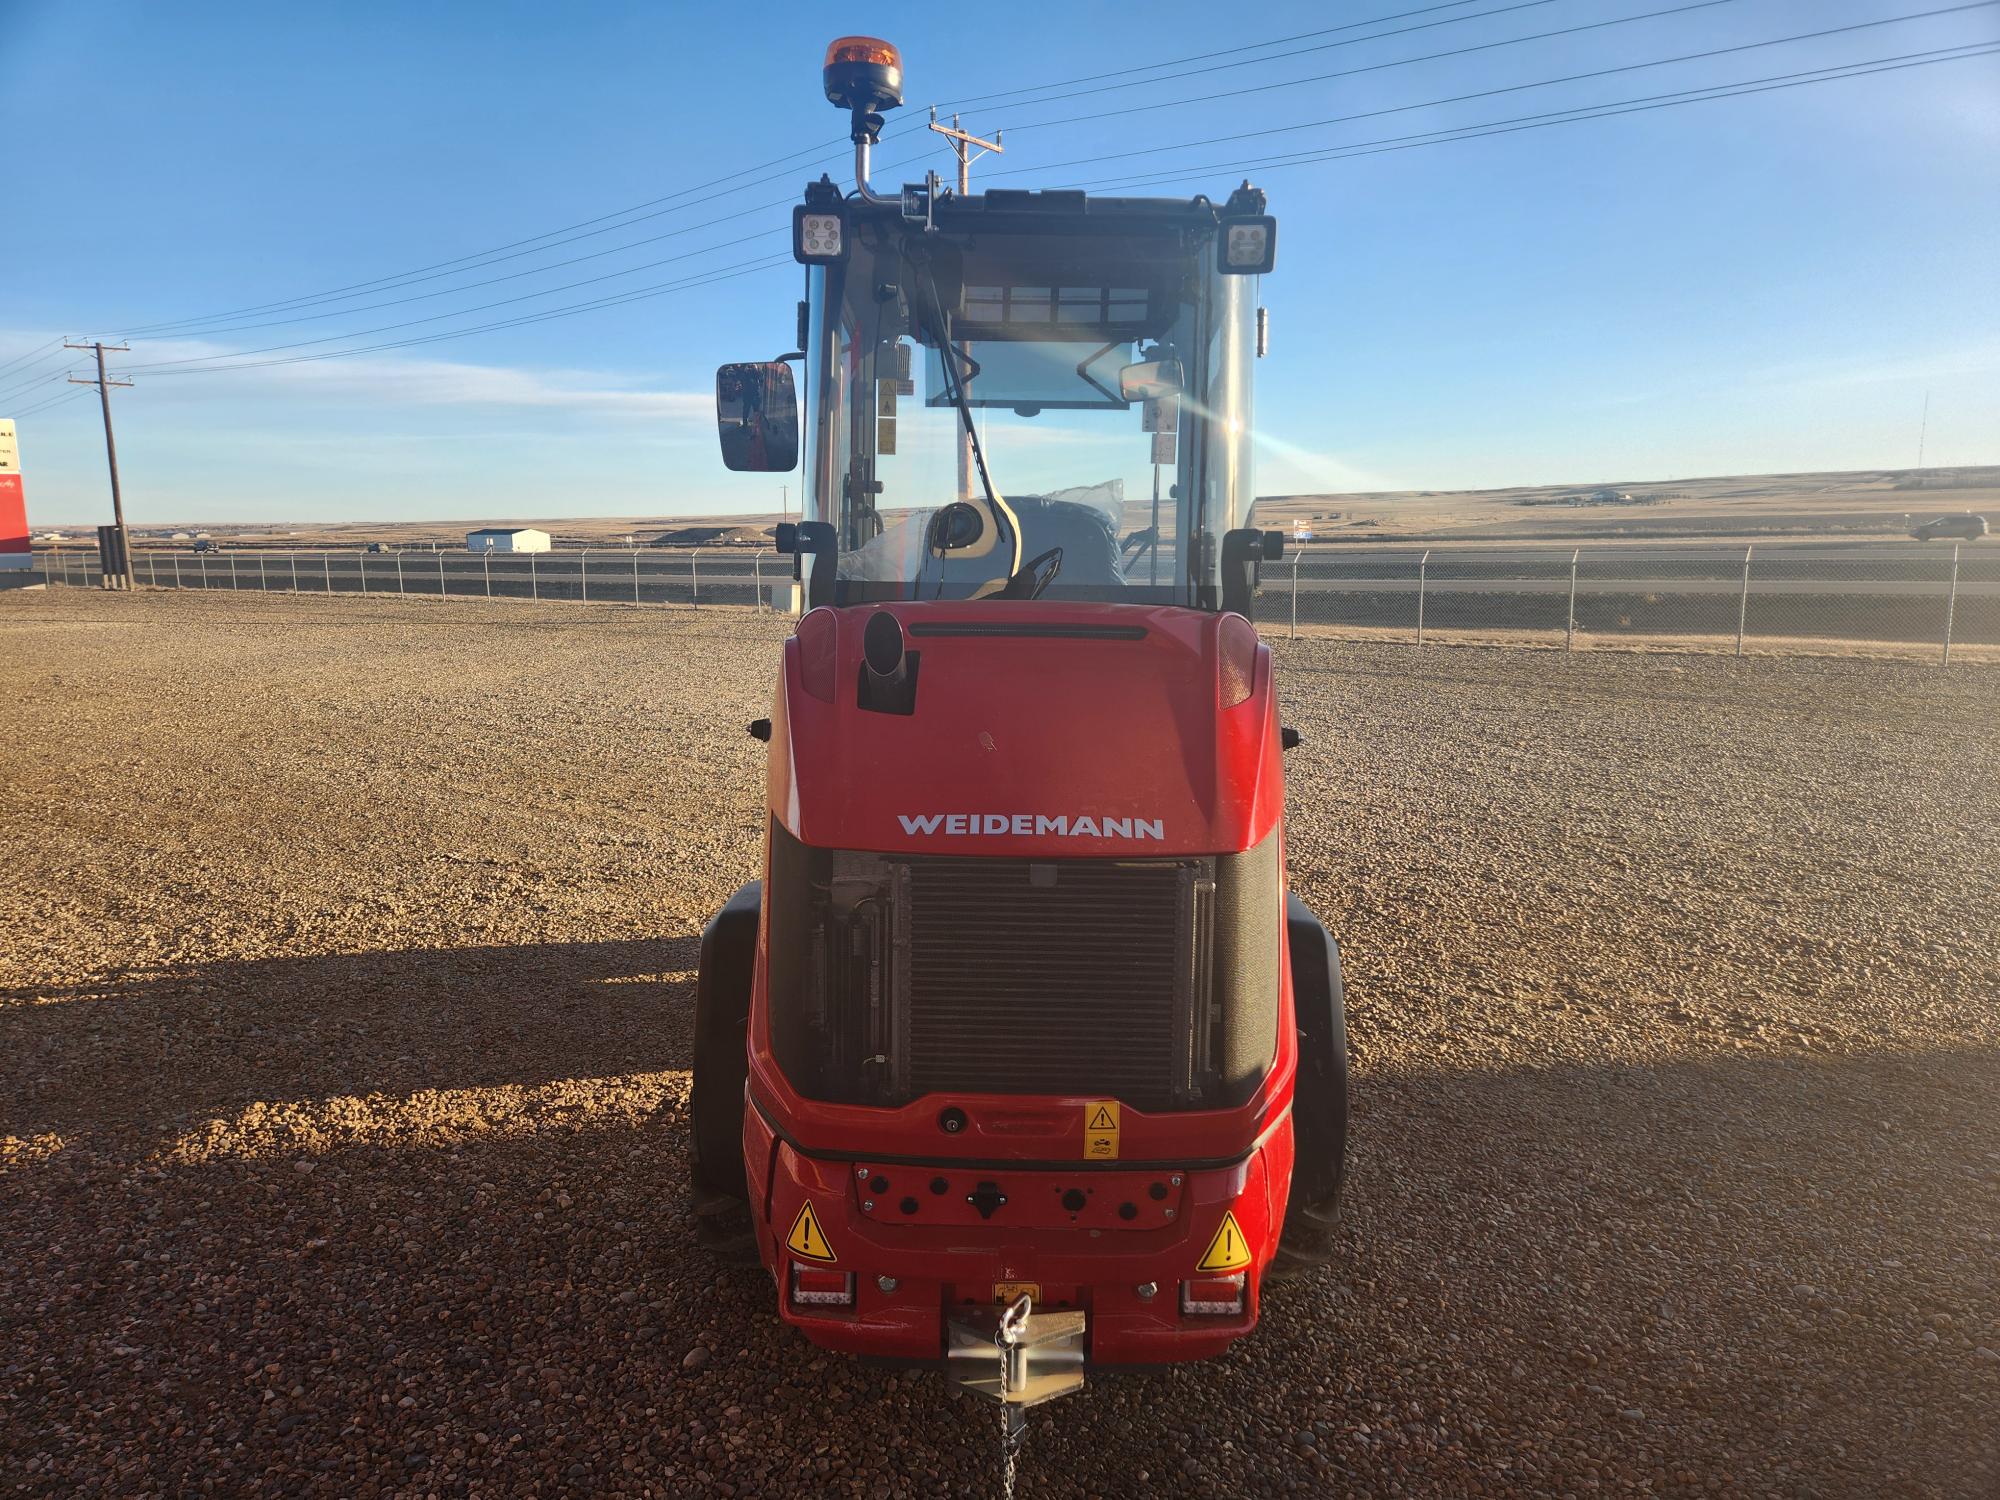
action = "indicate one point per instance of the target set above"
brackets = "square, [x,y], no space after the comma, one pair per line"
[507,539]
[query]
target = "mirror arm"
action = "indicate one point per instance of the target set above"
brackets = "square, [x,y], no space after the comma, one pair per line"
[1242,548]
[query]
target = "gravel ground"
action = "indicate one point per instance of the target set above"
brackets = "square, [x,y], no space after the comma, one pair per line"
[344,1020]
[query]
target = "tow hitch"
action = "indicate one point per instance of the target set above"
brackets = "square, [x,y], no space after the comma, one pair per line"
[1017,1357]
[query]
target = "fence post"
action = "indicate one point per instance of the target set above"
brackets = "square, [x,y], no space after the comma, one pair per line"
[1423,567]
[1296,556]
[583,569]
[635,575]
[326,561]
[364,570]
[1743,603]
[757,576]
[1950,604]
[440,572]
[486,565]
[295,572]
[695,573]
[399,570]
[177,570]
[153,569]
[1569,631]
[234,581]
[204,572]
[534,579]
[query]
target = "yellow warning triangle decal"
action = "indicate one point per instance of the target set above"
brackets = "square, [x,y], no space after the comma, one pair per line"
[1228,1251]
[807,1238]
[1102,1120]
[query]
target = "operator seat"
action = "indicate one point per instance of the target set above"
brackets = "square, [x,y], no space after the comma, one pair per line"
[1089,544]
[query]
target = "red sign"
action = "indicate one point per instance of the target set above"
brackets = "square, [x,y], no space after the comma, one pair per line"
[13,523]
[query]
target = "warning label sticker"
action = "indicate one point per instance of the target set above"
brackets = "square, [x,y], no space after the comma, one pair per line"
[807,1239]
[1100,1130]
[1228,1251]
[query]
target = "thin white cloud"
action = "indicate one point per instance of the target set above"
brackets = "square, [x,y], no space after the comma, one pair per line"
[377,380]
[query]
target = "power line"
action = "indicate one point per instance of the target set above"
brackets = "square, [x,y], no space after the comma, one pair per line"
[41,406]
[42,378]
[47,370]
[1181,101]
[488,257]
[511,276]
[1440,137]
[1401,62]
[632,215]
[1353,41]
[1301,36]
[17,359]
[642,294]
[1562,117]
[1658,62]
[464,311]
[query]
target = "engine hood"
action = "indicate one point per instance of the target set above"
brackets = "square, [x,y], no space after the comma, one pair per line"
[1068,731]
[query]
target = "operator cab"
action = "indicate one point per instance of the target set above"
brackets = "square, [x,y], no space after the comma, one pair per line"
[1018,395]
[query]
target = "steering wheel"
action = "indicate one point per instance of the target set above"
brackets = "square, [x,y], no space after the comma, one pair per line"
[1032,580]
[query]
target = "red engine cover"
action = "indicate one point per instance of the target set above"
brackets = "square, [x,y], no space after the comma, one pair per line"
[1021,730]
[1052,731]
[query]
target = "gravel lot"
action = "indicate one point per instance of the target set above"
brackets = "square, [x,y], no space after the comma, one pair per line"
[344,1019]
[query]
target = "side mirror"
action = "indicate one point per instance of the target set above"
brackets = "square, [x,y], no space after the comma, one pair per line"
[757,418]
[955,528]
[1149,380]
[1274,546]
[786,537]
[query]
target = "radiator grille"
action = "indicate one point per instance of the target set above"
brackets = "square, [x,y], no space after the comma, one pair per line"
[1058,977]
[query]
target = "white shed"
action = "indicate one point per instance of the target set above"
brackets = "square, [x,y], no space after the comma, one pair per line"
[507,539]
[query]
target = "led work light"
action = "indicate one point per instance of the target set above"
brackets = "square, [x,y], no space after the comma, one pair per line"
[818,236]
[819,226]
[1247,246]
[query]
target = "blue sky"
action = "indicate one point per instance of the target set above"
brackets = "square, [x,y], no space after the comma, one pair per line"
[1755,284]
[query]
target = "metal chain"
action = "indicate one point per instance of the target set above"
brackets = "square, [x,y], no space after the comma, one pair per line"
[1010,1434]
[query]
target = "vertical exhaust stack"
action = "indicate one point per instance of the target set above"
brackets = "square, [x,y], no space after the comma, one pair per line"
[889,670]
[864,76]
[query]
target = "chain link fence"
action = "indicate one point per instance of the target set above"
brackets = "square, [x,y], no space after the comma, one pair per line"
[734,575]
[1908,601]
[1902,601]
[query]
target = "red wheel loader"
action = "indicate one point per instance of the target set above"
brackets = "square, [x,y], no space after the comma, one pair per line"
[1020,1060]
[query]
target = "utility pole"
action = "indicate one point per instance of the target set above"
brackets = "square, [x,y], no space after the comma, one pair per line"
[104,383]
[967,148]
[1923,431]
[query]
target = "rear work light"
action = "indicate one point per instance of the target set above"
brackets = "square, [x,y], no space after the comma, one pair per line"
[1248,247]
[1214,1295]
[813,1286]
[819,235]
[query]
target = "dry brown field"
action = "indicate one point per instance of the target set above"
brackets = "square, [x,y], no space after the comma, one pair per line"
[345,1019]
[1861,505]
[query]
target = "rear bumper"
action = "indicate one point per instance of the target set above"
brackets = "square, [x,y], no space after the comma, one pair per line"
[920,1250]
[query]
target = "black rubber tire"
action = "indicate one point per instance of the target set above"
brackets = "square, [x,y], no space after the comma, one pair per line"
[1319,1101]
[721,1050]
